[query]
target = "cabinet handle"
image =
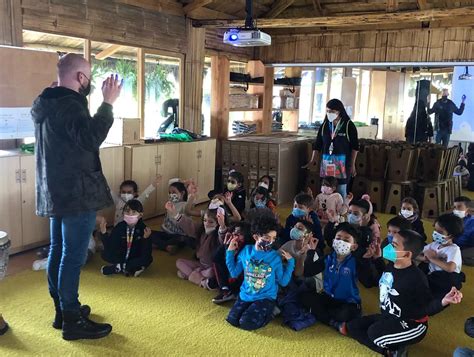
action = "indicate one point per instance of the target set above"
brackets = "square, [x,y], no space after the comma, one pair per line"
[159,160]
[17,176]
[23,176]
[156,160]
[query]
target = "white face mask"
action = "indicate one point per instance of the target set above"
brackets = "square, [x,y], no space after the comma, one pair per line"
[215,203]
[210,229]
[341,247]
[460,214]
[332,116]
[406,213]
[127,196]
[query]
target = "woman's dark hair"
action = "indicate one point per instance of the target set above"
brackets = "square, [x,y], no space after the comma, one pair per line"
[451,223]
[130,183]
[270,182]
[336,104]
[181,188]
[237,176]
[134,205]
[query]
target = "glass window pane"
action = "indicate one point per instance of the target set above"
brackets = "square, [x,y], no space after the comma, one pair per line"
[162,93]
[363,115]
[336,83]
[206,98]
[320,94]
[124,63]
[305,96]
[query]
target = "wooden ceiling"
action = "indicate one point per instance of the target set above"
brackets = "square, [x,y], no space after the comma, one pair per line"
[296,16]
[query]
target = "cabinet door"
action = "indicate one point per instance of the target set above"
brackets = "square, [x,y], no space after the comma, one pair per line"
[144,169]
[112,160]
[35,229]
[168,168]
[206,168]
[10,200]
[188,163]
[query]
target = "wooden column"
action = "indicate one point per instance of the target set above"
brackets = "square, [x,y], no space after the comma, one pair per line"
[141,89]
[220,82]
[11,23]
[87,50]
[194,68]
[268,79]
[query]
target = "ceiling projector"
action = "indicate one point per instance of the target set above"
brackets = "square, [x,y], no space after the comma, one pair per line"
[247,38]
[465,75]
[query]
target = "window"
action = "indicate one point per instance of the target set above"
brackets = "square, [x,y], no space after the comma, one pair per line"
[306,96]
[363,97]
[206,98]
[162,93]
[320,93]
[122,62]
[336,83]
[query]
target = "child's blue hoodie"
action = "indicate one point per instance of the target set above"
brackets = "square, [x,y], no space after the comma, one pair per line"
[340,278]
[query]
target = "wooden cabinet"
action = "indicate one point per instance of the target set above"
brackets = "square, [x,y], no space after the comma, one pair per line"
[197,160]
[17,204]
[168,168]
[112,160]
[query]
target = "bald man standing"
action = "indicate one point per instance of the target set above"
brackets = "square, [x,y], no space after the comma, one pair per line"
[70,185]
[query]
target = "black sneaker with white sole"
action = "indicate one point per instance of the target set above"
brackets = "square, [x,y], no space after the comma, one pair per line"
[224,296]
[111,269]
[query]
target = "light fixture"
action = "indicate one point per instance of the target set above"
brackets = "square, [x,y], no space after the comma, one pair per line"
[465,75]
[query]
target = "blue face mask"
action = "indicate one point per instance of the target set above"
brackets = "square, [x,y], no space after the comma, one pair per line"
[296,234]
[260,203]
[390,253]
[439,238]
[299,213]
[390,238]
[353,219]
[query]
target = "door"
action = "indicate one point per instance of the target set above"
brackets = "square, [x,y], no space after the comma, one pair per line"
[188,164]
[144,169]
[168,168]
[35,228]
[206,168]
[10,200]
[112,160]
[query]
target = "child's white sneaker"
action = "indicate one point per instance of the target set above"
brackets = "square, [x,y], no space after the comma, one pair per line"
[138,272]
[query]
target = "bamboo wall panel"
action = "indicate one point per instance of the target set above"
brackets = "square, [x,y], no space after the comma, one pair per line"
[420,45]
[10,23]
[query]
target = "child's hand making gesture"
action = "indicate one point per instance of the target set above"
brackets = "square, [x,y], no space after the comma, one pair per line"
[228,197]
[157,181]
[285,255]
[171,209]
[221,218]
[374,251]
[234,244]
[453,297]
[147,233]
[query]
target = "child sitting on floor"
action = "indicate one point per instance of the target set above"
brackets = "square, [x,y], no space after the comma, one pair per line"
[405,300]
[261,198]
[340,300]
[201,272]
[411,212]
[302,211]
[263,271]
[465,241]
[443,256]
[235,185]
[128,248]
[395,225]
[329,200]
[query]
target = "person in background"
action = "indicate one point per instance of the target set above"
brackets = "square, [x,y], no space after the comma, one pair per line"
[329,200]
[260,198]
[411,212]
[128,248]
[266,181]
[338,142]
[461,170]
[470,166]
[263,270]
[395,225]
[302,211]
[443,109]
[462,209]
[443,256]
[418,128]
[70,185]
[235,185]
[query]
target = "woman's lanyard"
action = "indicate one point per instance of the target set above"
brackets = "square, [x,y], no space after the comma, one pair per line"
[333,133]
[130,232]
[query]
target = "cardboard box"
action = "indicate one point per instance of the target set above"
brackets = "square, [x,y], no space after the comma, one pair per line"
[124,131]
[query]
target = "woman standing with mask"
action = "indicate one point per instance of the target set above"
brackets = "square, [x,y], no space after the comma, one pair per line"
[338,142]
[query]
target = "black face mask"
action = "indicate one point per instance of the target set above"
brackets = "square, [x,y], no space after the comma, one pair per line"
[85,90]
[445,98]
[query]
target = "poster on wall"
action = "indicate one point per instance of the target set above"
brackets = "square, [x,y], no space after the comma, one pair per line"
[463,125]
[16,123]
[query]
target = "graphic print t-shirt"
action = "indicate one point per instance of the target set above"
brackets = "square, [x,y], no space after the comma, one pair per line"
[404,293]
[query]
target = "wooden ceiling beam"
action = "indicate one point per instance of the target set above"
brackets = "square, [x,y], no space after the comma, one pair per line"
[392,5]
[349,21]
[196,4]
[318,9]
[170,7]
[204,13]
[109,51]
[278,7]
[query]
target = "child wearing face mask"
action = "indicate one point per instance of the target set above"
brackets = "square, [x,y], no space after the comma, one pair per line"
[340,300]
[235,185]
[443,256]
[229,288]
[201,272]
[405,300]
[302,211]
[261,199]
[395,225]
[329,200]
[466,240]
[173,235]
[128,247]
[411,212]
[263,270]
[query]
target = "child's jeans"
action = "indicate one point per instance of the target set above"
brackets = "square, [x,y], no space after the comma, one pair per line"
[194,271]
[381,332]
[326,308]
[441,282]
[251,315]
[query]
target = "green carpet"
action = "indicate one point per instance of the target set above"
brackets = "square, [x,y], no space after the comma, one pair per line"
[159,314]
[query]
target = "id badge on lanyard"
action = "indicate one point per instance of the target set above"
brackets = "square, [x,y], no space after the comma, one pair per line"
[333,133]
[130,233]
